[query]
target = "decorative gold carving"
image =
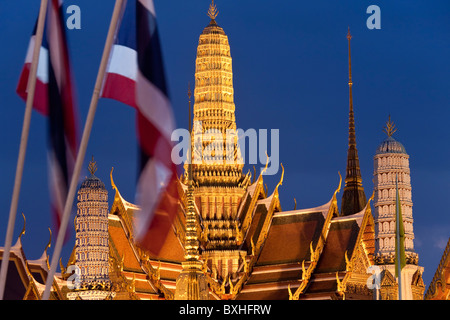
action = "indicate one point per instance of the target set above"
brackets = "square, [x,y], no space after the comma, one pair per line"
[23,228]
[266,165]
[281,179]
[92,166]
[339,186]
[348,265]
[341,286]
[48,246]
[212,11]
[390,128]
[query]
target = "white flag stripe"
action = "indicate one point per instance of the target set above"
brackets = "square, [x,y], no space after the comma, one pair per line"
[123,62]
[42,70]
[159,112]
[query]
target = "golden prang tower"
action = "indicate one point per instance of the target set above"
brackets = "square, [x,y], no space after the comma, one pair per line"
[217,177]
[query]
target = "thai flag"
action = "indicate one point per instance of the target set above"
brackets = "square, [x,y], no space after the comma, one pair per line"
[54,98]
[135,76]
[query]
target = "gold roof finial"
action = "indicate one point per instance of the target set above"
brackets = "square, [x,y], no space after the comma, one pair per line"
[112,181]
[92,166]
[24,224]
[390,128]
[212,11]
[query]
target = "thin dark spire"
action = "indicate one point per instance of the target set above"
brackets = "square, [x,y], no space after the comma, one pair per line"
[353,198]
[351,127]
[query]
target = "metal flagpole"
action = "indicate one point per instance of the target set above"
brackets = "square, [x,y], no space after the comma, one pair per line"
[397,224]
[31,88]
[83,145]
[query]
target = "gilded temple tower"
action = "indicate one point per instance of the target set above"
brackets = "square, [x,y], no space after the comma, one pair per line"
[353,197]
[217,177]
[391,162]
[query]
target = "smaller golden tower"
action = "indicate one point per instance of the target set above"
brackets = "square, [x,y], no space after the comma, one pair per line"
[191,283]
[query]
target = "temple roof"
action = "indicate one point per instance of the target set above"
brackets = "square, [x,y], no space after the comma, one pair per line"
[26,278]
[152,276]
[309,253]
[439,288]
[295,228]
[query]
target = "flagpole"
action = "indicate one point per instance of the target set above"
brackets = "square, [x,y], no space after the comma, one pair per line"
[397,220]
[83,146]
[31,88]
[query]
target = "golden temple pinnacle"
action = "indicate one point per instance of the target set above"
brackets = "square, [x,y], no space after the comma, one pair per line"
[390,128]
[212,11]
[92,166]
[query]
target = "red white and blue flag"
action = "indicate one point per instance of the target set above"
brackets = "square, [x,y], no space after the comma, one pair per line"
[136,77]
[55,98]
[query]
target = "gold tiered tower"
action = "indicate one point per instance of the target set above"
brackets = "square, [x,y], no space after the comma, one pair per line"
[219,183]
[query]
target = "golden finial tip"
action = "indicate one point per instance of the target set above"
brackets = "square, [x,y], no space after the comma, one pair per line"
[92,166]
[349,36]
[390,128]
[212,11]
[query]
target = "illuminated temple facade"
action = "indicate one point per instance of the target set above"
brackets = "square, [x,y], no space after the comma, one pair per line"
[231,239]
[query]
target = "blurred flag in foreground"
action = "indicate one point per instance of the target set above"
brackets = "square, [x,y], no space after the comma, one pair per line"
[54,98]
[135,76]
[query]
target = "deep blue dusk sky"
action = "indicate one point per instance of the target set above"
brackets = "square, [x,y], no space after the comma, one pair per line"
[290,73]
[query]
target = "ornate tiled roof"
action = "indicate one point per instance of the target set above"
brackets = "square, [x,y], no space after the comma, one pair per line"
[92,182]
[390,145]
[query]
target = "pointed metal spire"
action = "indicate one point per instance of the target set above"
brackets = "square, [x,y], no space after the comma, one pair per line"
[351,128]
[353,197]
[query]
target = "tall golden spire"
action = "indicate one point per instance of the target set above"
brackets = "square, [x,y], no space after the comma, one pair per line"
[217,156]
[215,183]
[353,197]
